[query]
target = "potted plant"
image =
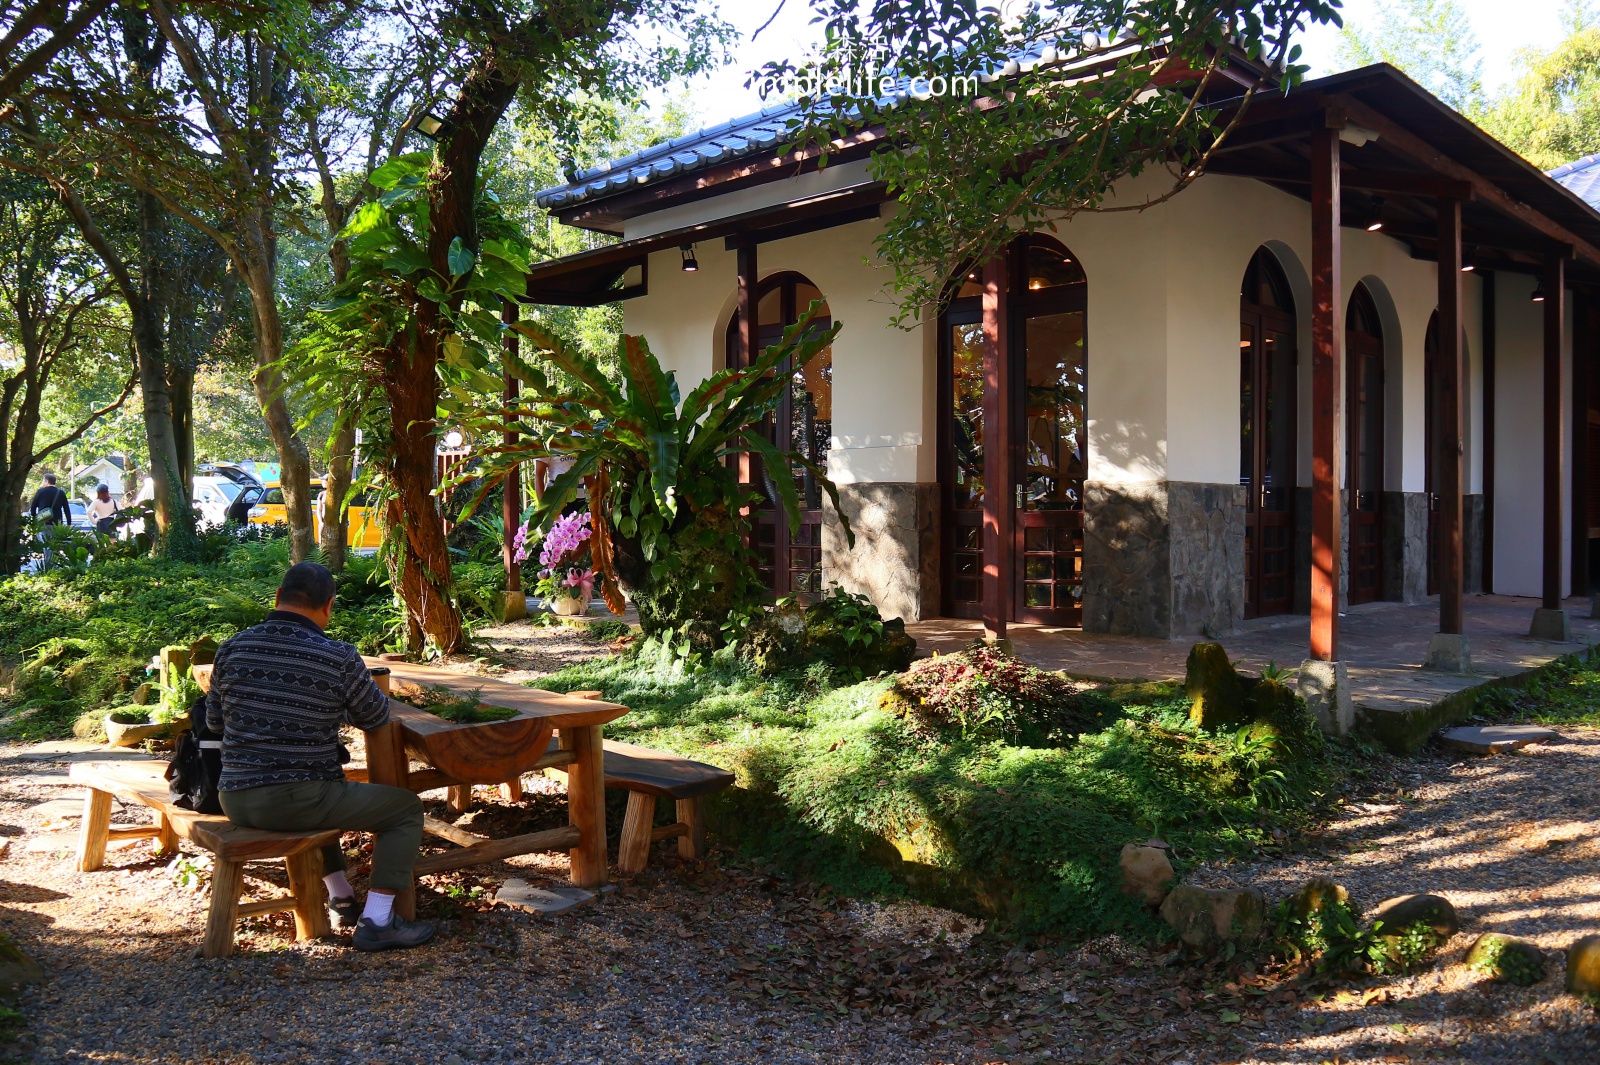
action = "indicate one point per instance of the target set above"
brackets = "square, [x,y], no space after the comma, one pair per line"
[567,578]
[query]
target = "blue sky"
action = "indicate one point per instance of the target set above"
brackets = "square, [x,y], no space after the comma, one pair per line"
[722,95]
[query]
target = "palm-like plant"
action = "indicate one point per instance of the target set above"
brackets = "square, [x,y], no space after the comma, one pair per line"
[667,507]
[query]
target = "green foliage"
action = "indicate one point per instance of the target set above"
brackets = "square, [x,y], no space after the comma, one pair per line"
[465,708]
[671,503]
[833,785]
[841,632]
[1328,938]
[985,693]
[1431,40]
[1035,147]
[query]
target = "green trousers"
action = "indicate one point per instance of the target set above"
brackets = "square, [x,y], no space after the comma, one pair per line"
[394,815]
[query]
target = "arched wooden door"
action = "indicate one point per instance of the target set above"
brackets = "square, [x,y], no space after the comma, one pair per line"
[1430,453]
[1267,401]
[1049,446]
[791,564]
[1363,344]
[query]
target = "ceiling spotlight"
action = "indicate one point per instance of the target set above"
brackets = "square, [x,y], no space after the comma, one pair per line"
[1467,265]
[1375,218]
[690,263]
[1538,293]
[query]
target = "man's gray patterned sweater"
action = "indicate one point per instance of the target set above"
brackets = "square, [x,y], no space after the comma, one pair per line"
[279,692]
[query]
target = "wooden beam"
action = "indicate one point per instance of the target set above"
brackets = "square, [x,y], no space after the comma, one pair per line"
[445,830]
[1389,181]
[785,230]
[1327,352]
[1406,143]
[1555,321]
[553,839]
[749,278]
[1451,512]
[998,515]
[1578,450]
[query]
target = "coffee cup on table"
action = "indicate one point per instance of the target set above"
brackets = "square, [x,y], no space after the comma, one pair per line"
[380,677]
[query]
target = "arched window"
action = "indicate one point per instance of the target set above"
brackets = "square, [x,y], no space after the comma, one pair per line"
[1363,345]
[803,422]
[1267,401]
[1048,367]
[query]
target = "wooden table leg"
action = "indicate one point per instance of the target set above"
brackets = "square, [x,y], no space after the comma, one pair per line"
[305,881]
[388,763]
[167,842]
[633,853]
[459,798]
[94,831]
[692,844]
[586,805]
[227,880]
[511,790]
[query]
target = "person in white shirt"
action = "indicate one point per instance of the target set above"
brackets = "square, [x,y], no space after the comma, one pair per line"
[547,469]
[103,510]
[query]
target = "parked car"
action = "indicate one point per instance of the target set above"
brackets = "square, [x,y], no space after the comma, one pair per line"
[212,497]
[270,509]
[231,471]
[362,530]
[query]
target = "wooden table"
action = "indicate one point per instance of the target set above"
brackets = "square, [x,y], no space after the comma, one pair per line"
[495,752]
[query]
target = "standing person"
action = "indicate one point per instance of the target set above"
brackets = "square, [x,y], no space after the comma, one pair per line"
[279,692]
[103,510]
[546,469]
[53,501]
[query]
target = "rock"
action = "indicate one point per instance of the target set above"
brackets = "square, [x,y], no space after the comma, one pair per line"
[145,694]
[130,734]
[1583,966]
[1318,892]
[1209,917]
[1146,872]
[1493,739]
[1403,911]
[56,809]
[16,969]
[519,894]
[1507,959]
[1216,694]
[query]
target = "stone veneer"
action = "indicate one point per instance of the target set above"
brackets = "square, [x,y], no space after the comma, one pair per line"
[895,561]
[1405,546]
[1163,558]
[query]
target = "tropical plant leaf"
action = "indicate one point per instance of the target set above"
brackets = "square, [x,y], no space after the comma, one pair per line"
[460,258]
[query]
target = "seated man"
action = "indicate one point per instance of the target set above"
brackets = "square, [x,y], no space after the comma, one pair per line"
[279,692]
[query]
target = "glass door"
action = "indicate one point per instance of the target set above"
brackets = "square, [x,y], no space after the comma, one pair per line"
[1049,495]
[961,476]
[1364,453]
[1267,396]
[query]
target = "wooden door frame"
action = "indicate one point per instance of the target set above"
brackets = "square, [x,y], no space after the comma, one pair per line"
[968,311]
[1375,345]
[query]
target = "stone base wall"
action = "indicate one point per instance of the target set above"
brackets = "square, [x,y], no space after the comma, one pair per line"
[1472,543]
[1405,546]
[1163,558]
[895,561]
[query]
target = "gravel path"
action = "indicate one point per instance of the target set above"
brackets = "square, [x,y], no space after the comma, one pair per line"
[717,962]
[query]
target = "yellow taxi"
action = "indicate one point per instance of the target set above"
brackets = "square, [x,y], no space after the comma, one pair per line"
[362,530]
[270,509]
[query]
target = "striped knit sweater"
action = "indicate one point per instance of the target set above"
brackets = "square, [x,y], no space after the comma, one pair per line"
[279,692]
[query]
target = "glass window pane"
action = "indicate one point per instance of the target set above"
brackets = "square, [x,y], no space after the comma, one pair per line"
[1247,409]
[1277,363]
[1053,410]
[966,415]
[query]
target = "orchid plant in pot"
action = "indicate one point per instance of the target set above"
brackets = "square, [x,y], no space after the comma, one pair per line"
[567,578]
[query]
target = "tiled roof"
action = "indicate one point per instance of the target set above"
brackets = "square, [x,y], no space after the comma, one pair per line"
[761,132]
[1582,178]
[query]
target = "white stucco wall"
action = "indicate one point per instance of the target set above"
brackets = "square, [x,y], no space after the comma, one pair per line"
[1519,440]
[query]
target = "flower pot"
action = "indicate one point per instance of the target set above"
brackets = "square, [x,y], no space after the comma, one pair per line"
[126,734]
[570,606]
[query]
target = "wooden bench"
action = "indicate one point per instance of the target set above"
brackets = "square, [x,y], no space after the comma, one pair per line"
[647,775]
[231,846]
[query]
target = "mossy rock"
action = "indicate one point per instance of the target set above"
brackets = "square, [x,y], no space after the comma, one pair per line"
[1507,959]
[1318,893]
[1216,694]
[16,969]
[203,651]
[145,694]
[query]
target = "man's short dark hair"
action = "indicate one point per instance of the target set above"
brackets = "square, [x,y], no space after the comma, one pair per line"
[49,478]
[306,585]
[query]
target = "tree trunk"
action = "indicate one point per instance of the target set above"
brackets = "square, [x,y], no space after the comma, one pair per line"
[174,520]
[341,462]
[294,460]
[180,393]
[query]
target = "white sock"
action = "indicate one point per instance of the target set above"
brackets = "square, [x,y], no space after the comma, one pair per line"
[338,886]
[379,908]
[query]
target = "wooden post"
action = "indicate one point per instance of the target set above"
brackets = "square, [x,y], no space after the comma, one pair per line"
[998,476]
[227,880]
[305,881]
[749,280]
[95,830]
[633,851]
[692,844]
[1555,320]
[1327,353]
[1451,452]
[388,763]
[1578,449]
[586,806]
[511,509]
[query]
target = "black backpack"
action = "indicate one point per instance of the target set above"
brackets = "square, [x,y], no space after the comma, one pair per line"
[196,765]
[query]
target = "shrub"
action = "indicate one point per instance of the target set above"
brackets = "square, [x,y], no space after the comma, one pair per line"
[842,630]
[984,693]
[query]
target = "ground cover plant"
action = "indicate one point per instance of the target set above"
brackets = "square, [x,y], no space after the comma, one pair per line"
[845,784]
[1566,692]
[460,709]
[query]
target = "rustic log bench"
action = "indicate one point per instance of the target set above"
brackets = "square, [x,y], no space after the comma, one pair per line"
[231,847]
[647,775]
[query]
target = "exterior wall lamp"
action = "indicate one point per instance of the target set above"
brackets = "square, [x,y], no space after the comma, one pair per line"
[1538,293]
[1375,218]
[690,263]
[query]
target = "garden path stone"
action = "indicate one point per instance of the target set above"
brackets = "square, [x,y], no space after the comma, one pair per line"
[54,809]
[521,895]
[1401,911]
[1492,739]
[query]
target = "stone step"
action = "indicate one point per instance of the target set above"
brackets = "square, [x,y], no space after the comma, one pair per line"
[1493,739]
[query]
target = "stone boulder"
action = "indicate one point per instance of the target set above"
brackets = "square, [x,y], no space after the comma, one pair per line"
[1216,694]
[1317,893]
[1583,966]
[1146,872]
[16,969]
[1209,917]
[1403,911]
[1507,959]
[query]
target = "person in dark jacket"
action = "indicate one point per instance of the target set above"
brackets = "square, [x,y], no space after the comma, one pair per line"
[279,692]
[53,501]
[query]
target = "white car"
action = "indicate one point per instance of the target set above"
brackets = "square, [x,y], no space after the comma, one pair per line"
[212,497]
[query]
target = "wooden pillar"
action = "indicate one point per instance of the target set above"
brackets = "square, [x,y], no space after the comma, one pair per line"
[1488,401]
[1578,411]
[749,279]
[511,509]
[998,476]
[1452,511]
[1327,353]
[1555,319]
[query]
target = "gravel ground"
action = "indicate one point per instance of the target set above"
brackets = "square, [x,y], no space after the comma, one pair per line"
[718,962]
[522,651]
